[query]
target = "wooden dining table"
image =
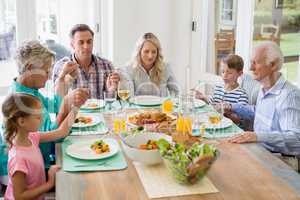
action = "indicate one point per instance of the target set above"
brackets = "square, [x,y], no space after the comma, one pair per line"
[241,172]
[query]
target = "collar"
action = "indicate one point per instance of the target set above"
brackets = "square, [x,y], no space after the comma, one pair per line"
[21,88]
[93,61]
[277,87]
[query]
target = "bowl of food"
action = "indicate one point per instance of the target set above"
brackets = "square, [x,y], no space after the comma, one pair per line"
[187,164]
[142,147]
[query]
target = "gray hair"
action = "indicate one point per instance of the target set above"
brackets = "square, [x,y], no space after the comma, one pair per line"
[272,53]
[34,53]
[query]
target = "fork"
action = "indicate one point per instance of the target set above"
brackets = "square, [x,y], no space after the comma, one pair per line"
[93,164]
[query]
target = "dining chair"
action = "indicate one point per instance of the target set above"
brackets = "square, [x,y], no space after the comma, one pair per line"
[224,45]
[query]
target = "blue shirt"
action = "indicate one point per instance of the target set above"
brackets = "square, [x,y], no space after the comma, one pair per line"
[48,106]
[277,117]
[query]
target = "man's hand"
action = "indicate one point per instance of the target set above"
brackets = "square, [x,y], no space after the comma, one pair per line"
[68,68]
[112,81]
[78,97]
[245,137]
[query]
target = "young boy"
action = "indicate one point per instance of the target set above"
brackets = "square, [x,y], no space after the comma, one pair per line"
[230,92]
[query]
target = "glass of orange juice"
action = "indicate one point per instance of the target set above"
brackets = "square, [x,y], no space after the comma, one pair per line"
[119,123]
[167,106]
[215,119]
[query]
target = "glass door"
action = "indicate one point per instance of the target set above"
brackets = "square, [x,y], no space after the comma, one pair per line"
[7,43]
[279,21]
[225,27]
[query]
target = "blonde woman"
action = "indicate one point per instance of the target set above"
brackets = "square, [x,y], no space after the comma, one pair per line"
[147,73]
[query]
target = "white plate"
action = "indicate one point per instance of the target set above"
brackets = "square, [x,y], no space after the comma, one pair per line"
[197,102]
[95,120]
[82,150]
[147,100]
[225,122]
[97,103]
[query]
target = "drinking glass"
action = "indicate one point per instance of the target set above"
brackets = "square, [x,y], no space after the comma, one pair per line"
[123,91]
[219,107]
[109,98]
[119,122]
[167,106]
[214,118]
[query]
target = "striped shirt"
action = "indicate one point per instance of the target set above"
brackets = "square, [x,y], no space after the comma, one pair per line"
[94,80]
[277,117]
[237,95]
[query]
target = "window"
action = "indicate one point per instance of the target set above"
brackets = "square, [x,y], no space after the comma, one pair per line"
[7,42]
[279,21]
[227,11]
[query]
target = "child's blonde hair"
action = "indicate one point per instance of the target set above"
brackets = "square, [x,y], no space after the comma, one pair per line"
[15,106]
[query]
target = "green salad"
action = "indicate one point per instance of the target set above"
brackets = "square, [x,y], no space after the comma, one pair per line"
[179,159]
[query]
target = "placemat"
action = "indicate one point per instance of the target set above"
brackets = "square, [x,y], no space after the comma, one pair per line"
[220,133]
[70,164]
[158,183]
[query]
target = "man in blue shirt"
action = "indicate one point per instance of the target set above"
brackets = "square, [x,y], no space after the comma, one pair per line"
[277,110]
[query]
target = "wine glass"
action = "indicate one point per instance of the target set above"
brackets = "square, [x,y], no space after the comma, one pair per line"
[109,98]
[123,91]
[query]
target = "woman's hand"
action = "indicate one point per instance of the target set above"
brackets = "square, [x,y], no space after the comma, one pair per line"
[51,174]
[112,81]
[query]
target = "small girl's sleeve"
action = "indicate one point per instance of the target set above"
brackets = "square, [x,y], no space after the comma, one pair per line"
[16,164]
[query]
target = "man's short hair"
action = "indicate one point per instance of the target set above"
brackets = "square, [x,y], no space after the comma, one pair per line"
[80,27]
[234,62]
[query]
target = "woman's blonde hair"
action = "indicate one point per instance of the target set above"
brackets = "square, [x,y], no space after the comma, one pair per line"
[34,53]
[158,67]
[15,106]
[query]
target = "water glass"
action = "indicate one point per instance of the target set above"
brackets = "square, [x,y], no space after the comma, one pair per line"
[109,98]
[186,103]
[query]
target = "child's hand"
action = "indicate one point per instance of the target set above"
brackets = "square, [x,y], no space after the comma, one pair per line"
[200,95]
[51,174]
[227,108]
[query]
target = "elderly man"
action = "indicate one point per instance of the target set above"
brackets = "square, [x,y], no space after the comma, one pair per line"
[277,110]
[88,70]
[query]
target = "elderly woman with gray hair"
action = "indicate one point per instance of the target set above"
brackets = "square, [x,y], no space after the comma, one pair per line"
[34,62]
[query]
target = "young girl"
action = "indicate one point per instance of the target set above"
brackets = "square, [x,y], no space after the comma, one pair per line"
[22,118]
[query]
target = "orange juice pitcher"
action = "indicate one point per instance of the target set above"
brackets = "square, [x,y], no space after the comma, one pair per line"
[180,124]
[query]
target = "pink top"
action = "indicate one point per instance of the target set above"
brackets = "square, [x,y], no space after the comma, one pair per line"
[28,160]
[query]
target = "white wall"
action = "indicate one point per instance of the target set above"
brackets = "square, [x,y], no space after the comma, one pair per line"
[71,12]
[169,19]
